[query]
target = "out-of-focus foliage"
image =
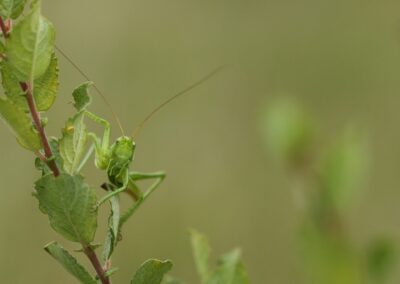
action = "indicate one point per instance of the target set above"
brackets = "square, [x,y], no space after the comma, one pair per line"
[328,255]
[229,269]
[288,130]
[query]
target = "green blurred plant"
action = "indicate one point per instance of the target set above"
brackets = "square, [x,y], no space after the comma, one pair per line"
[229,269]
[325,184]
[29,71]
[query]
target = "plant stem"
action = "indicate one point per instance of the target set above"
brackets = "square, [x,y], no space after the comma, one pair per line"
[27,88]
[49,158]
[39,127]
[3,28]
[96,264]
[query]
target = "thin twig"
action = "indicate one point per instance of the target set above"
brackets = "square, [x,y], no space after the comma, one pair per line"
[49,158]
[97,265]
[39,127]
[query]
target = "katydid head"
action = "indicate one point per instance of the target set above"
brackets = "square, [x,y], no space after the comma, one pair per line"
[123,149]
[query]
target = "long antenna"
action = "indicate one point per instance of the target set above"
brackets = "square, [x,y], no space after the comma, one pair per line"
[104,98]
[184,91]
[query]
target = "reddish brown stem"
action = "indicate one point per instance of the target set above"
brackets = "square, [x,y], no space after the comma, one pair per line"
[4,28]
[39,127]
[97,265]
[48,155]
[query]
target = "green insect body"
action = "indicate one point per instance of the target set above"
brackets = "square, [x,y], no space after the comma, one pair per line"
[117,158]
[122,153]
[116,161]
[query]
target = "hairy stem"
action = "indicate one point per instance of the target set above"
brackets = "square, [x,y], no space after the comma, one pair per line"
[97,265]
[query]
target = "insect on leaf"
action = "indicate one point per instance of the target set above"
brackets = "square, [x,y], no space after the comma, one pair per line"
[69,263]
[70,205]
[20,124]
[81,96]
[151,272]
[11,8]
[45,87]
[31,46]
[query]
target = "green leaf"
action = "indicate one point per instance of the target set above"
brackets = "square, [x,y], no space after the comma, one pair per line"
[31,46]
[81,96]
[230,270]
[70,205]
[2,47]
[171,280]
[45,87]
[69,263]
[73,143]
[11,8]
[12,87]
[344,167]
[151,272]
[381,260]
[201,251]
[288,131]
[20,124]
[328,259]
[113,229]
[42,166]
[111,271]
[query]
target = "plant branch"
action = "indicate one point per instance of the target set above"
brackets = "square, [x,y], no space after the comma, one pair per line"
[4,28]
[39,127]
[96,264]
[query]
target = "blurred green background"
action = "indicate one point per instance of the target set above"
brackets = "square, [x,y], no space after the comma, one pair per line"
[340,58]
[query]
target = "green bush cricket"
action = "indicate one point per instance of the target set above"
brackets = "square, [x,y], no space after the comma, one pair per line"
[117,158]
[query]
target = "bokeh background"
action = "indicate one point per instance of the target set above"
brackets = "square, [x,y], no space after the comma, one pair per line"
[340,58]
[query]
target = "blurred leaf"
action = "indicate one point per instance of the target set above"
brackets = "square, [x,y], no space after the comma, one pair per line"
[230,270]
[69,263]
[151,272]
[111,271]
[381,258]
[19,122]
[81,96]
[288,131]
[328,259]
[73,142]
[201,251]
[70,205]
[344,168]
[11,8]
[171,280]
[31,45]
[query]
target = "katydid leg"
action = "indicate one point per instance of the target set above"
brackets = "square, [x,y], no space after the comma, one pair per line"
[137,176]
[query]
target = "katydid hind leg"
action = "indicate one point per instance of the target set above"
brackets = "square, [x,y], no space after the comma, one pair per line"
[137,176]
